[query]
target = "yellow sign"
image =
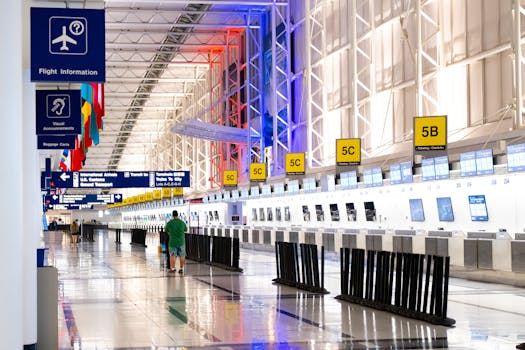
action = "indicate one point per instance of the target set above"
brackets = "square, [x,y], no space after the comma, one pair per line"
[229,178]
[142,198]
[348,151]
[166,192]
[157,194]
[295,164]
[430,133]
[257,171]
[149,196]
[178,191]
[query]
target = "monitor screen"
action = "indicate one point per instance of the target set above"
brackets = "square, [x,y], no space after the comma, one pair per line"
[269,214]
[416,209]
[235,194]
[278,189]
[367,178]
[377,176]
[348,180]
[516,157]
[261,214]
[478,208]
[254,191]
[328,183]
[306,213]
[334,212]
[445,212]
[226,195]
[216,214]
[309,185]
[254,214]
[319,213]
[287,214]
[351,213]
[427,169]
[442,170]
[245,193]
[484,162]
[278,214]
[266,191]
[370,211]
[395,174]
[293,187]
[406,172]
[467,163]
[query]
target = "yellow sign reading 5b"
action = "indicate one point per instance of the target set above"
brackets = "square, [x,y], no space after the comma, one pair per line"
[430,133]
[348,151]
[257,171]
[295,164]
[230,178]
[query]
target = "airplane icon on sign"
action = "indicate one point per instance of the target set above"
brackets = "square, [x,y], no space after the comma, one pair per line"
[64,38]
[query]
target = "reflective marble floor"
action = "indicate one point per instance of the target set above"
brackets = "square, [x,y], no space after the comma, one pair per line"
[120,297]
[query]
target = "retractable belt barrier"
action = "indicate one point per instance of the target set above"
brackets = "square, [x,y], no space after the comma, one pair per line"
[410,285]
[300,271]
[117,235]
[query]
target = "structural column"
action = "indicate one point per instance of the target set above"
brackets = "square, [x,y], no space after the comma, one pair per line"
[11,249]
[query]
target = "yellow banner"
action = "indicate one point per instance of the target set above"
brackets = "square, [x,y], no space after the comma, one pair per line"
[149,196]
[166,192]
[230,178]
[178,191]
[157,194]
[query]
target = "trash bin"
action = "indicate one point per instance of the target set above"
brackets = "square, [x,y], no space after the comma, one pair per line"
[41,257]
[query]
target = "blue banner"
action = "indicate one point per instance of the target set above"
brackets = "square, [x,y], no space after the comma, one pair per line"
[68,45]
[120,179]
[83,199]
[58,112]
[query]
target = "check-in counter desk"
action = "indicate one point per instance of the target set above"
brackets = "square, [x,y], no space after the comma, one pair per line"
[403,241]
[376,239]
[488,250]
[518,253]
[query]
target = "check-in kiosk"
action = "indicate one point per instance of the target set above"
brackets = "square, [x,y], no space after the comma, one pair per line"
[488,250]
[402,241]
[374,239]
[436,243]
[349,238]
[518,252]
[328,239]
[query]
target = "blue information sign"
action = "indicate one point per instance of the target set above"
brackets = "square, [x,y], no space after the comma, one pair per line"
[83,199]
[56,141]
[58,112]
[120,179]
[68,206]
[67,45]
[467,163]
[516,157]
[478,208]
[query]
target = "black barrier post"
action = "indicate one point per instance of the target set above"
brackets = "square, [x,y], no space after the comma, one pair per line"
[277,247]
[117,235]
[445,299]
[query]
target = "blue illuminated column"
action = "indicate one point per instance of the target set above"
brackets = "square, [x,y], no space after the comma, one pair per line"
[11,146]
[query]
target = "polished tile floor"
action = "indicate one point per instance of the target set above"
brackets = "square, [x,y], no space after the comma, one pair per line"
[120,297]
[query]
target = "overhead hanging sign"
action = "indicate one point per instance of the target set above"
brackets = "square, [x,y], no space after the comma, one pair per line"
[230,178]
[83,199]
[295,164]
[120,179]
[58,112]
[67,45]
[348,151]
[257,171]
[430,133]
[68,206]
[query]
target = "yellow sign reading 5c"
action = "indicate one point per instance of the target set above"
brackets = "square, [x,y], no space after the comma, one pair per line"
[295,164]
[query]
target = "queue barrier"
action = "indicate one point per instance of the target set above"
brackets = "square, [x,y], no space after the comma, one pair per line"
[410,285]
[223,252]
[118,232]
[300,271]
[138,237]
[198,247]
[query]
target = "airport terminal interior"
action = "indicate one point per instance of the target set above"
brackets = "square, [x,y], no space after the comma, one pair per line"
[350,173]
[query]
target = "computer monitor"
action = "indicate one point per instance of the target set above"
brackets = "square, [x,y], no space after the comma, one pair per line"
[478,208]
[416,209]
[445,212]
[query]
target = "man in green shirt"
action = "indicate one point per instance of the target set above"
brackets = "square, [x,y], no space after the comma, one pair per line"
[176,229]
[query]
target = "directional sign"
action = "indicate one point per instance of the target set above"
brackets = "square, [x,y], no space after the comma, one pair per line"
[56,141]
[430,133]
[230,178]
[348,151]
[257,171]
[67,45]
[58,112]
[295,163]
[120,179]
[83,199]
[68,206]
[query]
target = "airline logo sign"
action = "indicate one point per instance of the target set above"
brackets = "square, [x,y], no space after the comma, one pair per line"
[67,45]
[230,178]
[430,133]
[348,151]
[257,171]
[58,112]
[295,164]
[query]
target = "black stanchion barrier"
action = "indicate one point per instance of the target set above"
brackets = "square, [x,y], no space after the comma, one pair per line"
[138,237]
[117,235]
[300,271]
[164,240]
[415,292]
[225,253]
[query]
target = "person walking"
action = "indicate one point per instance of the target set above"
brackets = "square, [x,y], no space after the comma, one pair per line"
[176,229]
[73,228]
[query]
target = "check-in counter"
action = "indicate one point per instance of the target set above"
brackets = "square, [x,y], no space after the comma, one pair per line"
[402,241]
[375,239]
[518,252]
[348,238]
[488,250]
[328,239]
